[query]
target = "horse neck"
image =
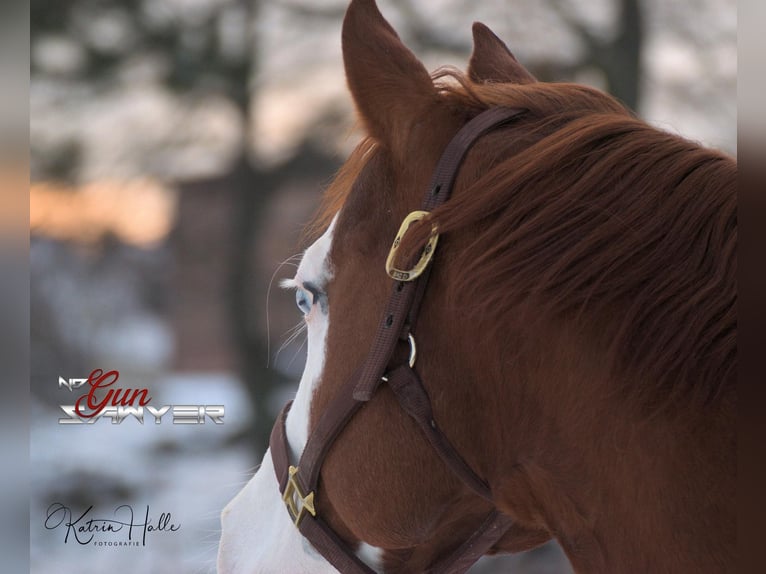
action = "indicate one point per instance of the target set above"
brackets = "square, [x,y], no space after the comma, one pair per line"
[661,499]
[623,492]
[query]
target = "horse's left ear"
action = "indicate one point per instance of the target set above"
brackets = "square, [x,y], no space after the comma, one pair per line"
[390,87]
[492,61]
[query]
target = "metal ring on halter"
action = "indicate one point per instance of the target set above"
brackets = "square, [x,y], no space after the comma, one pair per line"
[413,350]
[413,354]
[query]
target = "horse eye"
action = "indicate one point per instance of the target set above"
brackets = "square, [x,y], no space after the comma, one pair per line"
[304,300]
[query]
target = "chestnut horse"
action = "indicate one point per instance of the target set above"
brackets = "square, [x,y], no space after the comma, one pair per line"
[577,337]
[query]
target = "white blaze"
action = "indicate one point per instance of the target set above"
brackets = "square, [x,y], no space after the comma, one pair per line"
[258,536]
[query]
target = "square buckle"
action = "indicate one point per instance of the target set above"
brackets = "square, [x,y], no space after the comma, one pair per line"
[296,502]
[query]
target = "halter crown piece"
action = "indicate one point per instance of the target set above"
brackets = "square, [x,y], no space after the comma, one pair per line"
[298,484]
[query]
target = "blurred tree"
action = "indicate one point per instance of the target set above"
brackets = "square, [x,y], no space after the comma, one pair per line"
[617,55]
[201,49]
[196,46]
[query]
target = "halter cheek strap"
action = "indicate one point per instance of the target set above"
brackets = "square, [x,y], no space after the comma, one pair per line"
[298,484]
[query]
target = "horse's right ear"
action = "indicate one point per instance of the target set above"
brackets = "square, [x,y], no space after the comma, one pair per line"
[390,87]
[492,61]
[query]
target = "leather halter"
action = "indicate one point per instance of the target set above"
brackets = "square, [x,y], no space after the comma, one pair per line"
[299,483]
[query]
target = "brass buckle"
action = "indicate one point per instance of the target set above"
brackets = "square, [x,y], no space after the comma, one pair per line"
[425,257]
[297,504]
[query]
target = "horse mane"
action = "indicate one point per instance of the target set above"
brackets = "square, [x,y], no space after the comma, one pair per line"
[334,196]
[600,219]
[608,218]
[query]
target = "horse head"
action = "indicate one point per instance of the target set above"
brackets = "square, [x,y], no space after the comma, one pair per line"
[574,341]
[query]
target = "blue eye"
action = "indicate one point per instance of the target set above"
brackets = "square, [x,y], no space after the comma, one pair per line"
[304,300]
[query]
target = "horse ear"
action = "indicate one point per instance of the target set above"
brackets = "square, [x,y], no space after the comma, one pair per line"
[388,83]
[492,61]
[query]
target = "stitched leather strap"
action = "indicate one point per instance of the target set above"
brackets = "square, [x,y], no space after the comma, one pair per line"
[343,558]
[414,400]
[280,449]
[479,543]
[398,318]
[316,530]
[403,295]
[332,548]
[331,422]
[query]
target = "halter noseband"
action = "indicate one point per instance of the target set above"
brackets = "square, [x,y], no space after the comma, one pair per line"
[299,483]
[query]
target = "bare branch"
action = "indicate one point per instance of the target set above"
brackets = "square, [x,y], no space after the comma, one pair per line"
[309,10]
[424,35]
[593,45]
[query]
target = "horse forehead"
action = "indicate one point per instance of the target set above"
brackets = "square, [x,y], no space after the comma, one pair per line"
[314,267]
[315,263]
